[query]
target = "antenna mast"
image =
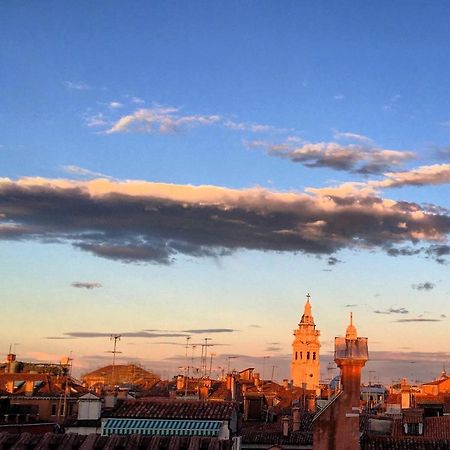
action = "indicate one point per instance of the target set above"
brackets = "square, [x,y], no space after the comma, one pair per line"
[114,351]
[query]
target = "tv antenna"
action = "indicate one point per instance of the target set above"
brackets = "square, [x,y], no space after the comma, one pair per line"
[114,351]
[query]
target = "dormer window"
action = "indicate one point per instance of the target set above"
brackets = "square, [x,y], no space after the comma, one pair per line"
[413,429]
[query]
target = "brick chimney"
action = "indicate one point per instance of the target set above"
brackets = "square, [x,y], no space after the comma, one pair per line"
[337,425]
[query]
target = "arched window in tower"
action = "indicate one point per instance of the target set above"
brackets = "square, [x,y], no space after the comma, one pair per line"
[301,355]
[307,355]
[314,356]
[296,355]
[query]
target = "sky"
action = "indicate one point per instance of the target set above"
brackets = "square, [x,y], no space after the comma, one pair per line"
[194,169]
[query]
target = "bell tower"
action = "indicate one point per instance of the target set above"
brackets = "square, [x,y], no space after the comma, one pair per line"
[305,365]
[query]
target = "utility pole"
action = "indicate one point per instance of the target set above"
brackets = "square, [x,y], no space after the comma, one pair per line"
[273,371]
[264,366]
[370,389]
[210,363]
[229,358]
[205,356]
[186,369]
[114,351]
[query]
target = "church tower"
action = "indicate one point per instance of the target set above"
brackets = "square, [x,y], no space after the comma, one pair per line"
[305,365]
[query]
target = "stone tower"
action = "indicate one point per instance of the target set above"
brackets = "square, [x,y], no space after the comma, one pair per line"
[336,426]
[305,365]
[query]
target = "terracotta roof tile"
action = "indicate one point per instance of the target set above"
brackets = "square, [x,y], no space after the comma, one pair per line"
[176,409]
[27,441]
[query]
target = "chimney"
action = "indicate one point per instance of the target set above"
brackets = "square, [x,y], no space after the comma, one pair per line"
[406,394]
[203,392]
[295,419]
[29,387]
[311,403]
[11,363]
[180,382]
[285,426]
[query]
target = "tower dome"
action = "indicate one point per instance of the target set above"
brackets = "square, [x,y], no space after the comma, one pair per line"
[351,333]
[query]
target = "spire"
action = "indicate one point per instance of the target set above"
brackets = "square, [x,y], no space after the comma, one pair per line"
[307,317]
[351,333]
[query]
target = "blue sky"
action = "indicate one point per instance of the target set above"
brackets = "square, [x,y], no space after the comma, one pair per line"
[164,166]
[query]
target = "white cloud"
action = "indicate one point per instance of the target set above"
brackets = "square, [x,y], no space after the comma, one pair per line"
[115,105]
[160,119]
[81,172]
[425,175]
[77,85]
[97,120]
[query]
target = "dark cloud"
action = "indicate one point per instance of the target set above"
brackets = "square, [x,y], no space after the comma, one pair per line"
[418,319]
[133,334]
[57,338]
[272,349]
[86,284]
[427,286]
[405,251]
[332,261]
[209,330]
[381,355]
[360,157]
[157,228]
[350,305]
[438,252]
[392,311]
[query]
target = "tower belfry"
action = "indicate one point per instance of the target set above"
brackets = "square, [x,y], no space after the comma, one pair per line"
[305,365]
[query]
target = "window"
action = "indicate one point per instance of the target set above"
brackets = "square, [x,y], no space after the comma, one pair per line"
[53,409]
[296,355]
[301,355]
[314,356]
[307,355]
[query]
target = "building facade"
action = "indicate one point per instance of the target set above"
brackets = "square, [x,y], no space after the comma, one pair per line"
[305,365]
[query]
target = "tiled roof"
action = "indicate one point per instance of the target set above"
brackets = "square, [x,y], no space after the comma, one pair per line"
[176,409]
[433,428]
[72,441]
[274,437]
[402,443]
[44,385]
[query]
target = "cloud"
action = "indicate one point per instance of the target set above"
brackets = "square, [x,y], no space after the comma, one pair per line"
[81,172]
[422,176]
[96,120]
[137,100]
[272,349]
[132,334]
[57,338]
[115,105]
[160,119]
[138,221]
[209,330]
[77,85]
[418,319]
[353,137]
[438,251]
[255,326]
[339,97]
[360,157]
[350,305]
[427,286]
[392,311]
[383,355]
[332,261]
[392,103]
[86,284]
